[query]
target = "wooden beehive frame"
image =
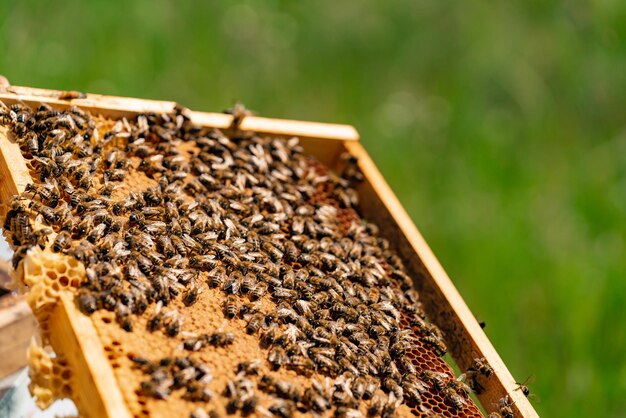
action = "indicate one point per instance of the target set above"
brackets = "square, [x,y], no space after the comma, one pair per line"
[71,330]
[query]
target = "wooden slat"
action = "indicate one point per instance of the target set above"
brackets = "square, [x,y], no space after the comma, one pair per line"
[466,340]
[113,106]
[14,175]
[74,335]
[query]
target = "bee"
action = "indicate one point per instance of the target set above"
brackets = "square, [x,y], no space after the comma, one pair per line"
[156,320]
[269,336]
[71,95]
[221,339]
[258,291]
[249,282]
[230,306]
[316,400]
[460,387]
[437,379]
[482,366]
[413,387]
[233,283]
[249,405]
[277,357]
[172,321]
[191,296]
[375,408]
[523,388]
[254,323]
[282,409]
[284,293]
[248,367]
[86,301]
[505,407]
[217,277]
[165,246]
[435,343]
[123,317]
[203,262]
[390,385]
[61,242]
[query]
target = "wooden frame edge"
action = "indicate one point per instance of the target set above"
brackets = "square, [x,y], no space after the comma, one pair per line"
[469,330]
[122,106]
[74,335]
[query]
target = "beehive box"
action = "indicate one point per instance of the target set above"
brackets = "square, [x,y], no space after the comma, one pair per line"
[93,360]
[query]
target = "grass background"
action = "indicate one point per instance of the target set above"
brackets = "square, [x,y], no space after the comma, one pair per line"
[501,127]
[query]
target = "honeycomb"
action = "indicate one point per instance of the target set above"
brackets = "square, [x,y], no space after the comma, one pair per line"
[104,220]
[46,274]
[50,377]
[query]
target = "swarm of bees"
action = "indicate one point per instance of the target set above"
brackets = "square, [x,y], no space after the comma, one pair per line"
[250,217]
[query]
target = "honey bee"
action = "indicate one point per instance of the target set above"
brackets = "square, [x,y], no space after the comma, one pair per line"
[523,388]
[217,277]
[172,321]
[249,282]
[505,407]
[282,409]
[482,366]
[71,95]
[230,306]
[258,291]
[191,296]
[435,343]
[61,242]
[255,323]
[277,357]
[123,317]
[233,283]
[221,339]
[437,379]
[86,301]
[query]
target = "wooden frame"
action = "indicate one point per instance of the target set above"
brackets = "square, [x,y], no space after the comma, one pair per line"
[464,336]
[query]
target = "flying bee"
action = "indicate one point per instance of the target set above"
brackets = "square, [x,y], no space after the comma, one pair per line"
[522,386]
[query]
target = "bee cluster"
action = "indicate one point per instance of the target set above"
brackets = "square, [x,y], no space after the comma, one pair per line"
[252,219]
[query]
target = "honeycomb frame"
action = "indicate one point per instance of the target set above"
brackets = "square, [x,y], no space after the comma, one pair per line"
[327,141]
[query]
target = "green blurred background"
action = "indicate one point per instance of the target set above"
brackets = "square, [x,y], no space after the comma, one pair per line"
[501,127]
